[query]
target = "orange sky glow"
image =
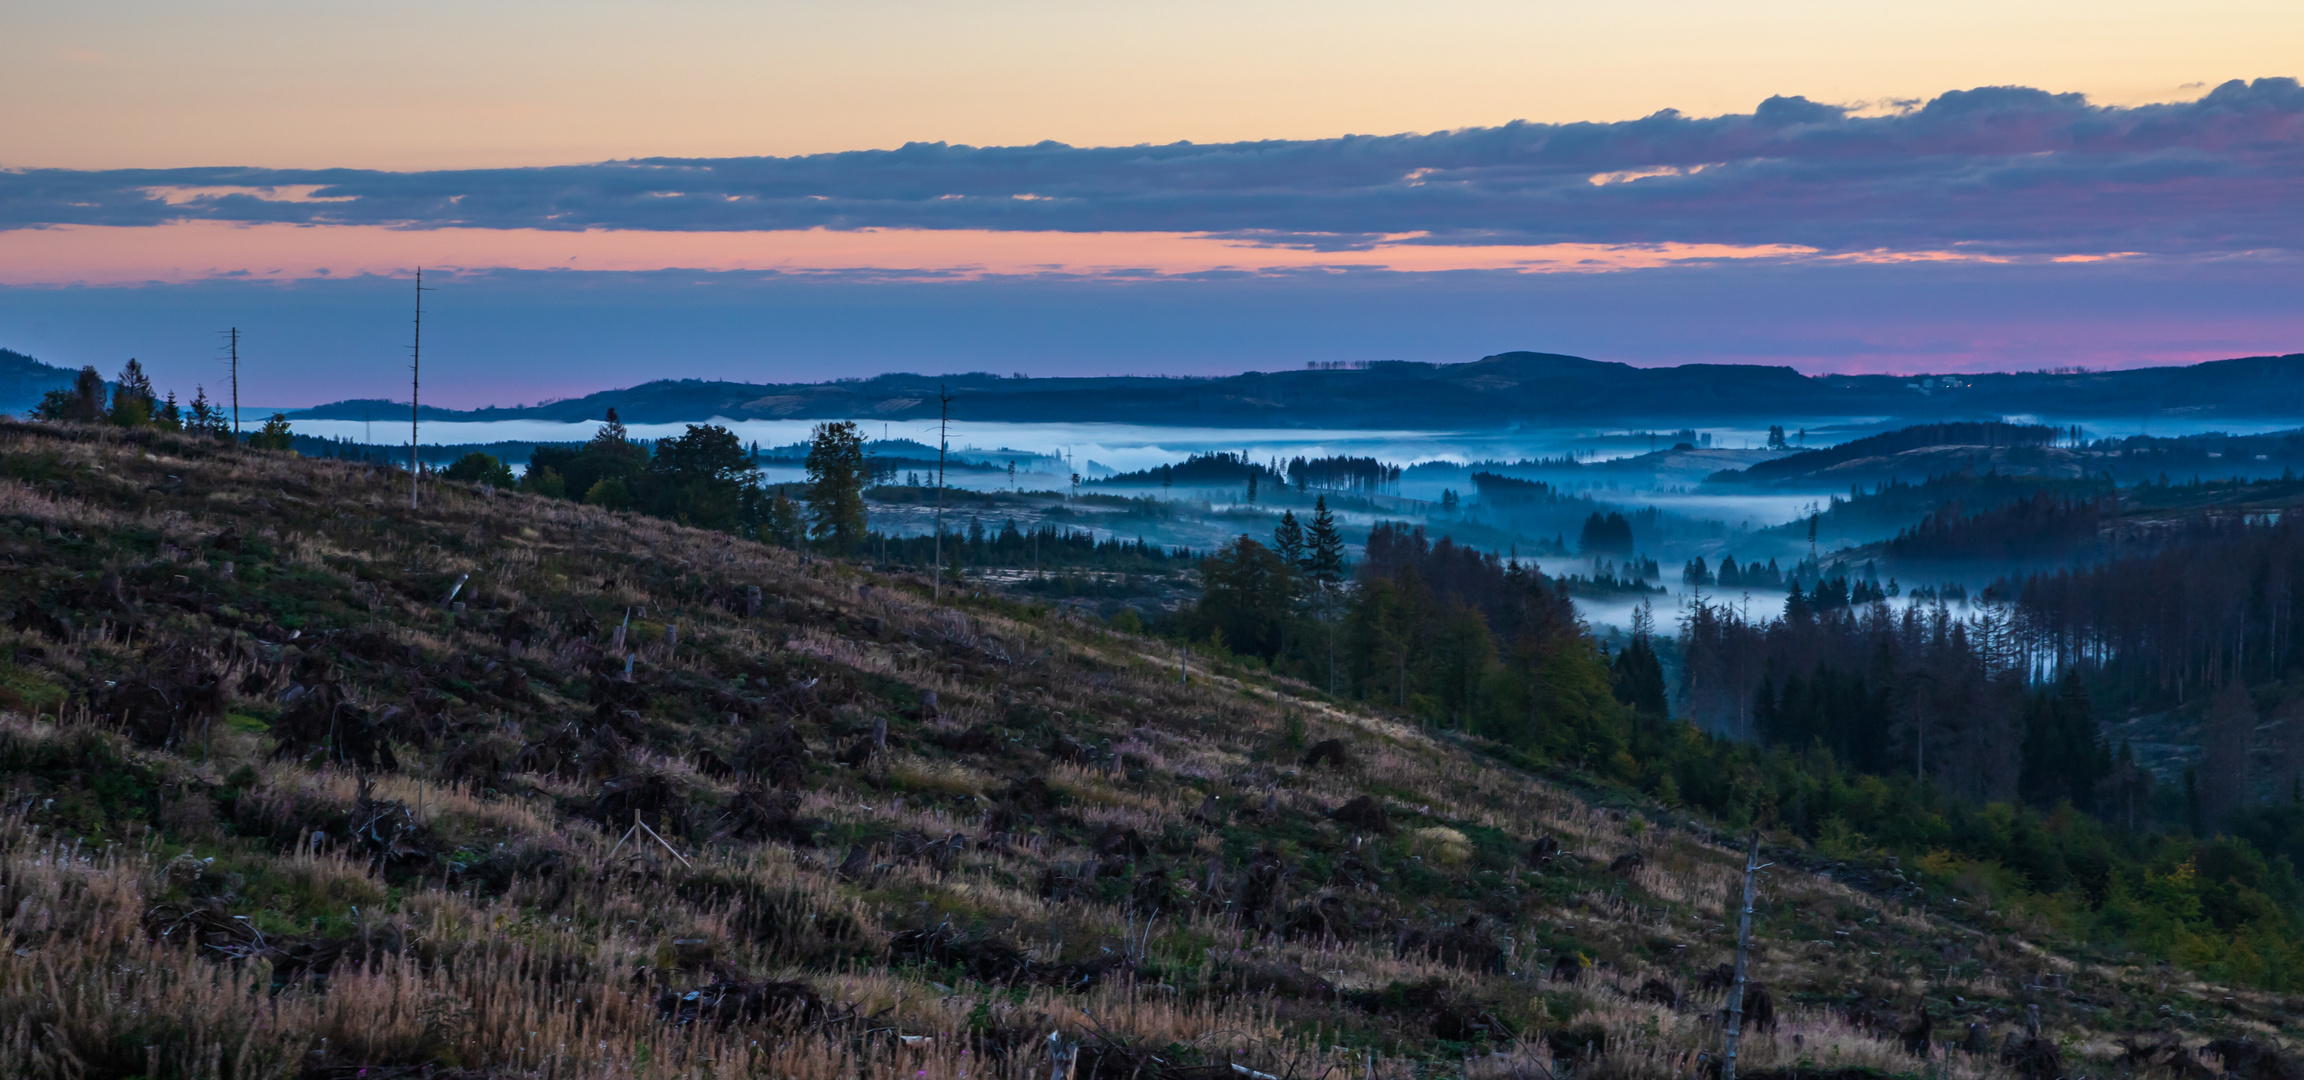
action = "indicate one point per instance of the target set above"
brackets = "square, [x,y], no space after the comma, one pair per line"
[192,251]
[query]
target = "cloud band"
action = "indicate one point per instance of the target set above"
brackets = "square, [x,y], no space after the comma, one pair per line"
[1996,170]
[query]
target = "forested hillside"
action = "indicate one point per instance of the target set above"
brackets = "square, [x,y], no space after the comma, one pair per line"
[1496,391]
[1970,740]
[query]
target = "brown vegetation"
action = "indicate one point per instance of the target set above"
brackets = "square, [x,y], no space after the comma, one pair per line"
[277,805]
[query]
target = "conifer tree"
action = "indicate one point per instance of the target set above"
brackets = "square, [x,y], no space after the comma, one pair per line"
[836,471]
[1288,542]
[206,418]
[1325,561]
[133,400]
[274,435]
[1638,675]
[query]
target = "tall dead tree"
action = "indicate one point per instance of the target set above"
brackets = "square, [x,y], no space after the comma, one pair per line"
[415,382]
[943,440]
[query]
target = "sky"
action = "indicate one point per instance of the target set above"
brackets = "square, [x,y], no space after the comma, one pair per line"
[607,193]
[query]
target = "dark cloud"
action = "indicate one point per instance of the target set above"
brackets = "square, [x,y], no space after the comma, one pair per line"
[2001,169]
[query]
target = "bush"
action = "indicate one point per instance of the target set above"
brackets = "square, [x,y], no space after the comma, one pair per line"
[544,480]
[480,468]
[611,494]
[274,435]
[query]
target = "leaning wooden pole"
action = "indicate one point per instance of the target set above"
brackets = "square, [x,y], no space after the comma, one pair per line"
[1743,956]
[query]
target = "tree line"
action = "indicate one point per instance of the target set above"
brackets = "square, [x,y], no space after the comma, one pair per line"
[706,478]
[1339,473]
[132,402]
[703,477]
[1045,546]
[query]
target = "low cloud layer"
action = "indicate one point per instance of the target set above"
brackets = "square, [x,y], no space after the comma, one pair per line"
[2003,170]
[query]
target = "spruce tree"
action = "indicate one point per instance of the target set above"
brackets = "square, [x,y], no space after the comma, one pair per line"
[274,435]
[610,454]
[1326,559]
[133,400]
[206,418]
[1288,541]
[1638,675]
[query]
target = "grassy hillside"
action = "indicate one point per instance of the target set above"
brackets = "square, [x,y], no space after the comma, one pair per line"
[276,805]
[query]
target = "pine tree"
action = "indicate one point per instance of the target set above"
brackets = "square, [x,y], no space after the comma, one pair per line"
[1638,675]
[206,418]
[274,435]
[133,400]
[836,471]
[1288,541]
[611,430]
[1326,560]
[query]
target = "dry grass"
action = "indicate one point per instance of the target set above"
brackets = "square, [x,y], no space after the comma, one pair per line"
[554,968]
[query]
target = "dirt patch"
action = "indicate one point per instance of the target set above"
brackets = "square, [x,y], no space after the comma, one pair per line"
[1468,945]
[1365,814]
[757,813]
[784,1006]
[1430,1003]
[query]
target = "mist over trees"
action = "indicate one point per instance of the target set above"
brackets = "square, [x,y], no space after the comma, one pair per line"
[1222,469]
[2002,702]
[1858,713]
[1359,474]
[1605,535]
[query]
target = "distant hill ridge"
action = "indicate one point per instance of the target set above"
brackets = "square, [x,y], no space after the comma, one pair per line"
[1890,443]
[1502,390]
[24,380]
[1496,391]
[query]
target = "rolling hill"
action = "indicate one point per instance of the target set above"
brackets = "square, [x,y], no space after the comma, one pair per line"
[300,781]
[1503,390]
[24,380]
